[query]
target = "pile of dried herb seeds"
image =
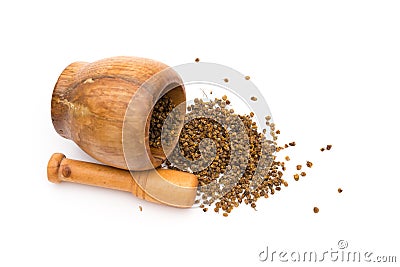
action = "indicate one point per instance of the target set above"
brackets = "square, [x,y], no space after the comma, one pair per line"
[256,176]
[215,186]
[160,112]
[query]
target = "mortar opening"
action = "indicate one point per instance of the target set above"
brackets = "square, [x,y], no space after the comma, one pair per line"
[165,104]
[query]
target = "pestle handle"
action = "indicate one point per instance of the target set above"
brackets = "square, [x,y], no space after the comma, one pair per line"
[162,186]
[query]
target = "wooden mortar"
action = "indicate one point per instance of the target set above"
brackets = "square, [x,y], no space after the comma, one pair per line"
[162,186]
[90,101]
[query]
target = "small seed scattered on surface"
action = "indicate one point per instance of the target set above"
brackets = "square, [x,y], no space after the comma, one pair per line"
[298,167]
[322,149]
[140,208]
[309,164]
[303,174]
[247,77]
[328,147]
[253,98]
[316,209]
[218,188]
[340,190]
[197,59]
[226,80]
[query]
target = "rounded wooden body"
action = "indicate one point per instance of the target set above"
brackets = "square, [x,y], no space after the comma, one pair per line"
[90,101]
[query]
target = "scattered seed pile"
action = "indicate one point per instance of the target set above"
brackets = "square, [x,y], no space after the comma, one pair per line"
[225,180]
[228,181]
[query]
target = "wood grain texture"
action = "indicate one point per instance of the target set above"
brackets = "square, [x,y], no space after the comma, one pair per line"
[90,101]
[168,187]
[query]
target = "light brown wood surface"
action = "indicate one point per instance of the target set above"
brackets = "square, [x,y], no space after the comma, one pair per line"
[162,186]
[90,101]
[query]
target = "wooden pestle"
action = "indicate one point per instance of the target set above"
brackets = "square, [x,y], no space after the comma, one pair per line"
[162,186]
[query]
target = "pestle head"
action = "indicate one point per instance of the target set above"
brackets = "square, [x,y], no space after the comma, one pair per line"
[53,167]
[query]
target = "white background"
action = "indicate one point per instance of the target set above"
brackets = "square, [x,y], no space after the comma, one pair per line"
[328,69]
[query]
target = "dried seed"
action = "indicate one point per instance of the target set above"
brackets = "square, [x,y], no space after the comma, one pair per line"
[340,190]
[298,167]
[226,80]
[197,59]
[225,214]
[292,143]
[316,209]
[322,149]
[140,208]
[287,158]
[309,164]
[296,177]
[225,193]
[303,174]
[328,147]
[161,111]
[253,98]
[247,77]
